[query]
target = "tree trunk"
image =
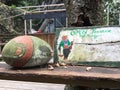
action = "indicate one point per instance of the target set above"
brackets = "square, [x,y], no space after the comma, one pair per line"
[85,12]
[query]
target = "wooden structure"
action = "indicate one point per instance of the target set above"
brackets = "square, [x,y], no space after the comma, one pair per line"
[48,37]
[43,12]
[98,77]
[93,46]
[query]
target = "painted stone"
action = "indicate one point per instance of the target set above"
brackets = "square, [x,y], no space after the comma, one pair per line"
[94,46]
[26,51]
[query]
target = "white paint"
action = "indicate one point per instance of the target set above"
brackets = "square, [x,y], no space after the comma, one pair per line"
[113,35]
[93,44]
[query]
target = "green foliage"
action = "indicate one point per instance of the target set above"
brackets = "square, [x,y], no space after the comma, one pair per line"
[114,11]
[114,8]
[28,2]
[22,2]
[13,6]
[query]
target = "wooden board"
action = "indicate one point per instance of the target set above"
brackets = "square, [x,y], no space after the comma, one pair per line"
[76,75]
[93,46]
[45,15]
[48,37]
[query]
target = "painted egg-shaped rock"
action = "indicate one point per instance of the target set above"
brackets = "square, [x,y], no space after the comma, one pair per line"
[26,51]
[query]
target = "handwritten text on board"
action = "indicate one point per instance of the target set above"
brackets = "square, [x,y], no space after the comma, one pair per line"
[86,33]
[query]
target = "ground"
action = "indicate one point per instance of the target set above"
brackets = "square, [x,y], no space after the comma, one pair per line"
[19,85]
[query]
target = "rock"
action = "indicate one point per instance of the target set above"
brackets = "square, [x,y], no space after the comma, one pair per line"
[8,24]
[50,67]
[88,68]
[26,51]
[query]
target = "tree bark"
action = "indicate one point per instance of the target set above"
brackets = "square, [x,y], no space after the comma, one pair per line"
[85,12]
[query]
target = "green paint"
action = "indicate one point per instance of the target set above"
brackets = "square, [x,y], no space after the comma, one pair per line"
[90,56]
[103,64]
[9,50]
[89,32]
[41,54]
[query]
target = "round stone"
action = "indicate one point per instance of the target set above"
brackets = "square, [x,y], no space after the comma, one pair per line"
[26,51]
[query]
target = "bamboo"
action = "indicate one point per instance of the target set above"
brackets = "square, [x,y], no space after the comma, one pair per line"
[46,11]
[41,6]
[25,24]
[31,25]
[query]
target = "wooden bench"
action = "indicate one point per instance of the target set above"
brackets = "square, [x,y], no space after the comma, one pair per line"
[99,77]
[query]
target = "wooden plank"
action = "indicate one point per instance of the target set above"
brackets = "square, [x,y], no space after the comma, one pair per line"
[48,37]
[94,46]
[77,75]
[44,15]
[48,11]
[50,5]
[2,44]
[0,56]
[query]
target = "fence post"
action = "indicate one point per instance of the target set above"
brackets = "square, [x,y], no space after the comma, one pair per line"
[25,24]
[119,18]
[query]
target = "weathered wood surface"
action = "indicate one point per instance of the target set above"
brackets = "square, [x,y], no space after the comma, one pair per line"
[76,75]
[48,37]
[2,44]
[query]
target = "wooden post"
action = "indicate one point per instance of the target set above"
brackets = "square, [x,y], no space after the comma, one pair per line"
[0,48]
[25,25]
[30,25]
[119,19]
[66,21]
[0,45]
[108,15]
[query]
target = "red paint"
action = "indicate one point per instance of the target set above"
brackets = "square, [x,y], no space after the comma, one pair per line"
[39,31]
[27,42]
